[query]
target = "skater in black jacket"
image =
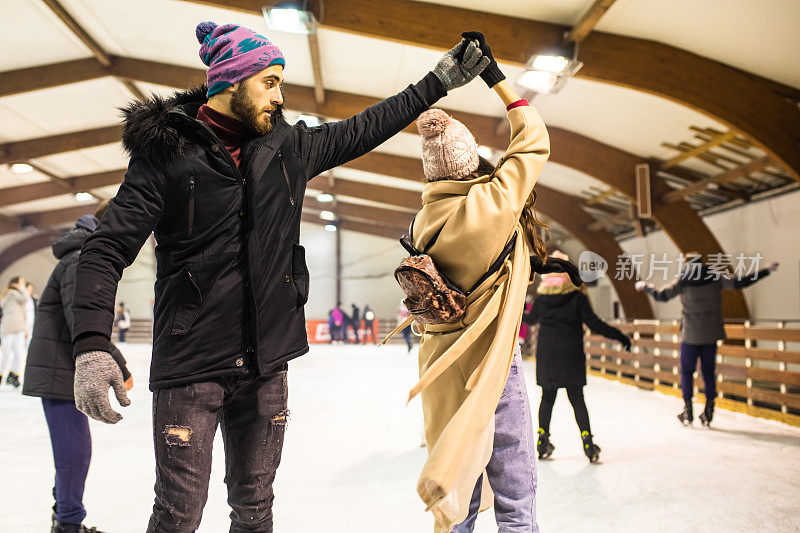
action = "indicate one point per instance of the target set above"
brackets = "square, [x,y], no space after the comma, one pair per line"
[561,310]
[49,375]
[219,177]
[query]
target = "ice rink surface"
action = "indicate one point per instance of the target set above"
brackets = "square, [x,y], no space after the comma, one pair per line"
[352,456]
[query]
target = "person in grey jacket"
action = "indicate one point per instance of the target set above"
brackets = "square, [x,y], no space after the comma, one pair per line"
[702,324]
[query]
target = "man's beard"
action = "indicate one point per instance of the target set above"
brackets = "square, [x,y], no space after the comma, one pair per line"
[247,112]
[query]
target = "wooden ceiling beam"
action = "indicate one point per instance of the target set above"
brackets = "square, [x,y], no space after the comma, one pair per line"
[725,177]
[16,151]
[27,245]
[388,217]
[359,227]
[94,47]
[718,90]
[100,55]
[589,20]
[47,76]
[48,189]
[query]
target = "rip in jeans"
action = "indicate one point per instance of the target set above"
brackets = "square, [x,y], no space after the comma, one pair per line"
[177,435]
[281,418]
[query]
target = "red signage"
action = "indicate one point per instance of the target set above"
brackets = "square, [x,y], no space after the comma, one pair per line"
[318,332]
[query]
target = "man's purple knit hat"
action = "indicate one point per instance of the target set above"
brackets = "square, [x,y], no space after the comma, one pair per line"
[233,53]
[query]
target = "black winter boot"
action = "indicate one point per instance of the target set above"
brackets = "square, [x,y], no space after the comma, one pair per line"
[707,415]
[61,527]
[686,417]
[13,380]
[543,445]
[591,449]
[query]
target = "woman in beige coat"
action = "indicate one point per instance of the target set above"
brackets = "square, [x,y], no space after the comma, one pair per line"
[477,415]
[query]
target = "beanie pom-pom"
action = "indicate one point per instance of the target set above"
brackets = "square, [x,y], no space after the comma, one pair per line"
[432,122]
[203,29]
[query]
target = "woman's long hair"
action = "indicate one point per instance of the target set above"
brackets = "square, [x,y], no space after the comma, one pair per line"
[12,283]
[530,222]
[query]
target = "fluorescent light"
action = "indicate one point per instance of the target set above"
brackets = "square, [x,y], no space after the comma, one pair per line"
[21,168]
[547,72]
[83,196]
[330,227]
[484,151]
[327,215]
[325,198]
[554,64]
[290,20]
[310,120]
[538,81]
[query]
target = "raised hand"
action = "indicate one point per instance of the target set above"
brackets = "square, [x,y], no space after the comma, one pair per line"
[640,285]
[460,65]
[492,74]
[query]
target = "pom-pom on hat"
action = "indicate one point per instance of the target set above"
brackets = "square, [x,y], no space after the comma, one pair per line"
[233,53]
[449,150]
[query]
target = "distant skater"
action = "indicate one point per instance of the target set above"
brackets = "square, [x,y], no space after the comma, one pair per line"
[702,325]
[561,310]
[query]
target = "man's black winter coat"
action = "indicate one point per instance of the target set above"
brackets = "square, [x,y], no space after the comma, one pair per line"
[231,275]
[50,365]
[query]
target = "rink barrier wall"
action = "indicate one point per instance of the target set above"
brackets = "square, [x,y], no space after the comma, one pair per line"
[141,331]
[758,365]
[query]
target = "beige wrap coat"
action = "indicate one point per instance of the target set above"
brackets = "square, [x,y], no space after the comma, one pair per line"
[464,365]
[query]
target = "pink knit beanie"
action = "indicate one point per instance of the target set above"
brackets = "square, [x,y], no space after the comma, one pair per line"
[234,53]
[449,150]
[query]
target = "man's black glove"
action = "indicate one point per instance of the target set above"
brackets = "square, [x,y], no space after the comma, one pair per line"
[555,265]
[492,74]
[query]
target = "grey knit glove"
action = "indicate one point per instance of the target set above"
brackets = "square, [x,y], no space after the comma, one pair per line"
[461,64]
[95,372]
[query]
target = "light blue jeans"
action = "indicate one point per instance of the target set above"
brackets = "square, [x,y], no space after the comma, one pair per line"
[512,467]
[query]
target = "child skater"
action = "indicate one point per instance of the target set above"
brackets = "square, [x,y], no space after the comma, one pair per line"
[561,310]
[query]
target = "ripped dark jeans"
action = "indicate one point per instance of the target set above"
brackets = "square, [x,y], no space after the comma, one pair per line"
[251,411]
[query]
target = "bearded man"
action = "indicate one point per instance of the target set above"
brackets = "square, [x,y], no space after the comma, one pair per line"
[219,176]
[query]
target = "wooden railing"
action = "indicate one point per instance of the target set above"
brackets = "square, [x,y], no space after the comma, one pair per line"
[758,365]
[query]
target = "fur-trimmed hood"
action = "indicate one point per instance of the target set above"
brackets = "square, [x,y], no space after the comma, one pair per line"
[148,129]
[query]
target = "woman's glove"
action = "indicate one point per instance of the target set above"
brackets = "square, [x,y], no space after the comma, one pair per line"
[492,74]
[460,65]
[555,265]
[95,372]
[626,342]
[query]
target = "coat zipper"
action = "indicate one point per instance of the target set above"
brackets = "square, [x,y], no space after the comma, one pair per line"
[286,177]
[191,207]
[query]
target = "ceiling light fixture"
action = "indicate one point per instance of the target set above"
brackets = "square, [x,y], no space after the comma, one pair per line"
[325,198]
[21,168]
[330,227]
[83,196]
[548,71]
[289,17]
[327,215]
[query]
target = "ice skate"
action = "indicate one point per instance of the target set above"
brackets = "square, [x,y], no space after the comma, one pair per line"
[707,415]
[73,528]
[13,380]
[543,445]
[591,449]
[686,417]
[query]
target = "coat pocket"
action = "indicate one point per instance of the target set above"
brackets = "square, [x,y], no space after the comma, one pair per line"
[189,300]
[300,277]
